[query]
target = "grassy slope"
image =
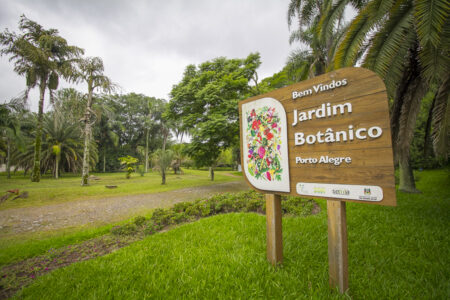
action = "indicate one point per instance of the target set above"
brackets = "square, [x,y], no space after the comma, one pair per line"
[394,253]
[52,191]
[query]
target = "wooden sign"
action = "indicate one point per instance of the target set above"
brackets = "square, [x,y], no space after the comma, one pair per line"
[327,137]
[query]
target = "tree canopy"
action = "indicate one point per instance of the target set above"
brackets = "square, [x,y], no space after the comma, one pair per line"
[205,101]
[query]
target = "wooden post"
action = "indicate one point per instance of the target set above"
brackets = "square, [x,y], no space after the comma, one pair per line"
[337,245]
[274,232]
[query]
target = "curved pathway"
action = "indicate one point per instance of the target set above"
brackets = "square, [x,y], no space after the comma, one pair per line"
[101,211]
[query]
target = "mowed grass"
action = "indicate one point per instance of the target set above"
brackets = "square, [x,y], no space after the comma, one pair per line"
[394,253]
[68,188]
[23,246]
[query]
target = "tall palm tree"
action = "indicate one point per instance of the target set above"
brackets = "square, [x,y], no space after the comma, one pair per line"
[42,56]
[408,44]
[91,71]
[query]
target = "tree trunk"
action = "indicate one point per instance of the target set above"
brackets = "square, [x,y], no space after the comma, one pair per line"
[146,151]
[410,109]
[406,175]
[57,166]
[8,158]
[36,174]
[104,160]
[427,144]
[211,173]
[87,138]
[165,135]
[163,176]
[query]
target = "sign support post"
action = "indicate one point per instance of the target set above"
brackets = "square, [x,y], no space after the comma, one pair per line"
[274,232]
[337,245]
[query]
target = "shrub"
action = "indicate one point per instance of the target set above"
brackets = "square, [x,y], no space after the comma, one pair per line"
[178,218]
[181,206]
[127,229]
[141,170]
[199,209]
[139,221]
[249,201]
[129,163]
[152,228]
[161,216]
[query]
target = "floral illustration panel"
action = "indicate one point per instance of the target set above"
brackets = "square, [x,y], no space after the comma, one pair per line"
[265,144]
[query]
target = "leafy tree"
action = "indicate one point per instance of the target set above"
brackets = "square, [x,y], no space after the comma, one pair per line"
[71,103]
[91,71]
[105,131]
[140,117]
[42,56]
[277,81]
[152,117]
[205,101]
[407,43]
[129,162]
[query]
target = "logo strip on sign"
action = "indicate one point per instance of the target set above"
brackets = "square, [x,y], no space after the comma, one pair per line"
[341,191]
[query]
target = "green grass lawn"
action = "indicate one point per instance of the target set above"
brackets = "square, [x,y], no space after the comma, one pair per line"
[23,246]
[394,253]
[52,191]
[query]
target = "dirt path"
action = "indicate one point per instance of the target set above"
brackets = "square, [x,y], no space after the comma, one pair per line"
[101,211]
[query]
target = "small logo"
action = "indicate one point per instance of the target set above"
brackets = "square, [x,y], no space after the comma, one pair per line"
[319,190]
[301,187]
[343,192]
[367,192]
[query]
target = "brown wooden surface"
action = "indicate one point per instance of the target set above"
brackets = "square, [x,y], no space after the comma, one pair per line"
[274,230]
[372,159]
[337,245]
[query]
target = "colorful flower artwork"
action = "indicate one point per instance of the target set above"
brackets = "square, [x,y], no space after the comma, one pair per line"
[264,144]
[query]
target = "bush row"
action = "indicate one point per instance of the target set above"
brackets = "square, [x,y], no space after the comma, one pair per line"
[248,201]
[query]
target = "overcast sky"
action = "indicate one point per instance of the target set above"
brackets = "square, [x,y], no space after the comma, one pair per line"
[146,45]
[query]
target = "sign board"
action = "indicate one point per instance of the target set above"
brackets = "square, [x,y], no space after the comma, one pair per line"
[327,137]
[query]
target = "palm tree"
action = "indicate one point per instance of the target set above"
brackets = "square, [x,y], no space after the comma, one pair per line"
[62,147]
[163,159]
[10,129]
[42,56]
[318,33]
[91,71]
[407,43]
